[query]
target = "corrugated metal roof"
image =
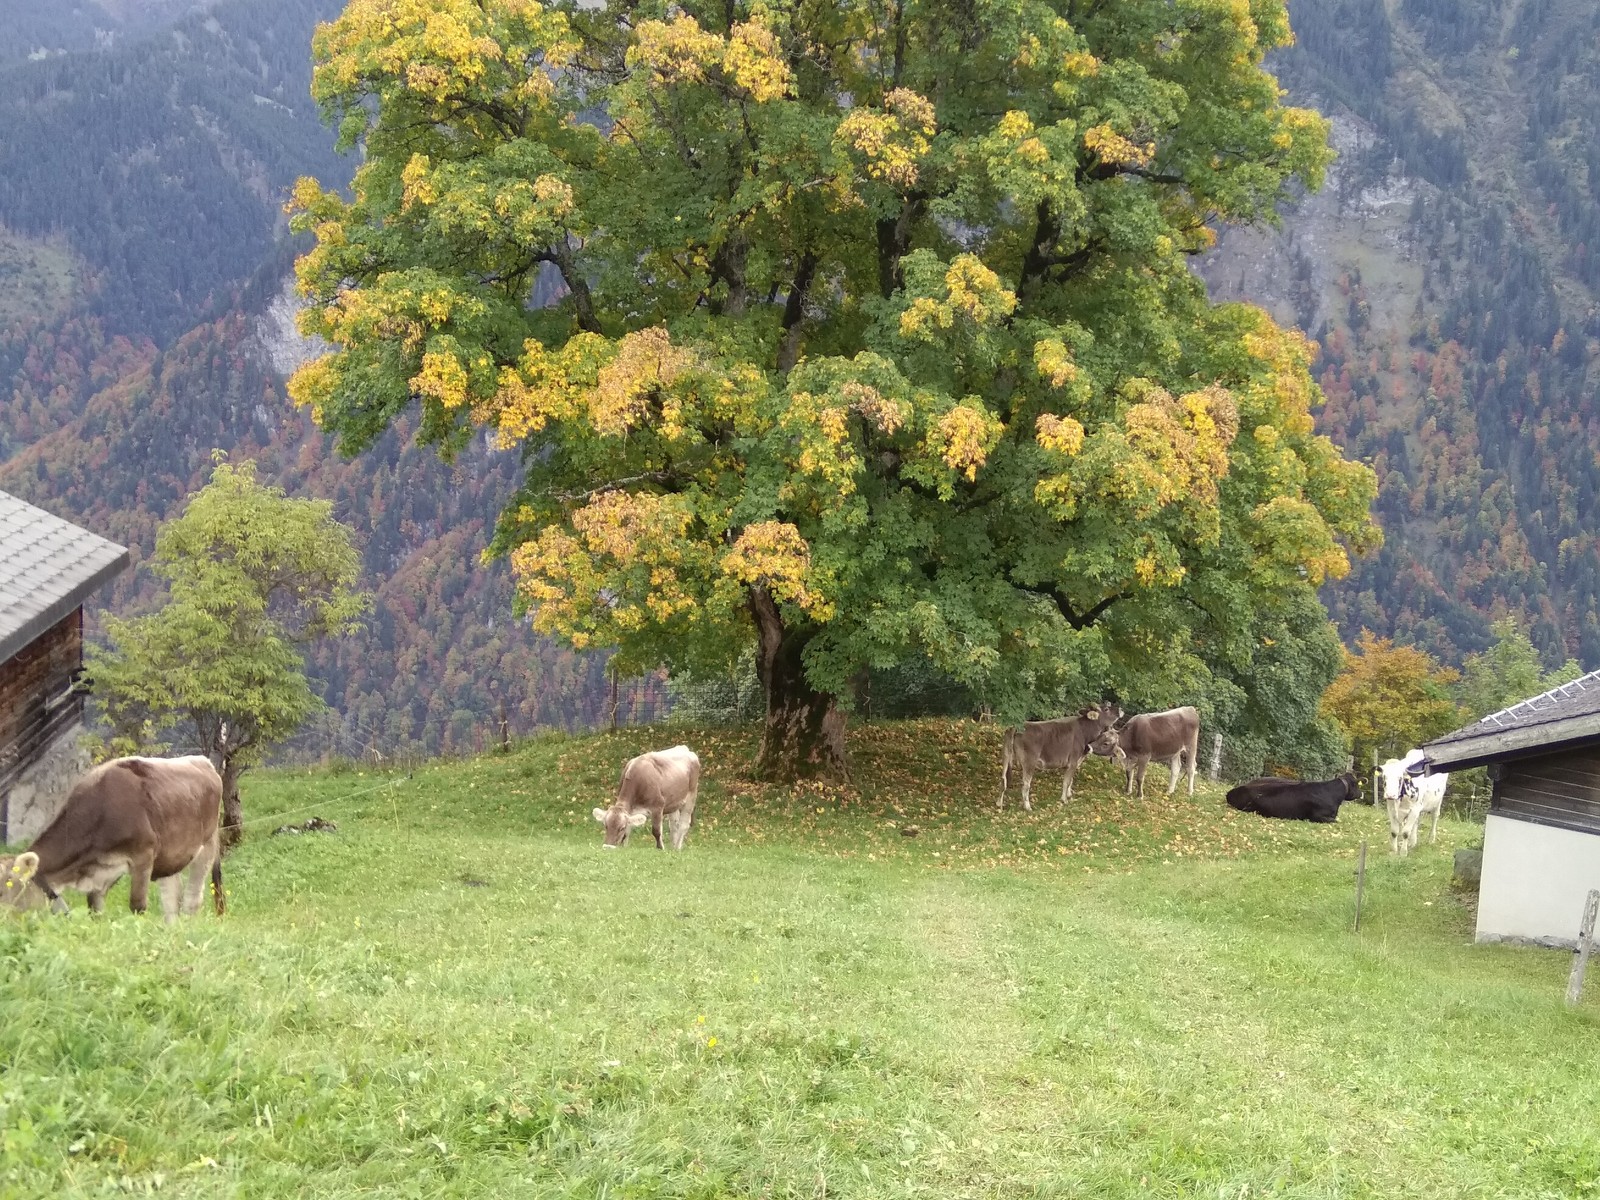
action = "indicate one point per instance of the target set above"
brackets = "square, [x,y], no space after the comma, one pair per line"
[48,567]
[1580,698]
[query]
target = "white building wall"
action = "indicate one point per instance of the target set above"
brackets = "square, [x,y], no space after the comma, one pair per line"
[1535,881]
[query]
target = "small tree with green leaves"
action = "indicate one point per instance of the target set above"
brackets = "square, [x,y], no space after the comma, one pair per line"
[1508,671]
[254,578]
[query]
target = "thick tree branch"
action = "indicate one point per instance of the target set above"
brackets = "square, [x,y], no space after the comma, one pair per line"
[794,311]
[1039,257]
[666,479]
[577,285]
[1063,605]
[894,242]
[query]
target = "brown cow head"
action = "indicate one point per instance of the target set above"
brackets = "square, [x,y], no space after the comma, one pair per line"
[17,890]
[1108,744]
[618,822]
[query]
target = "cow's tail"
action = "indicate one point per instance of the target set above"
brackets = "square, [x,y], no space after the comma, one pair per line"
[217,896]
[1008,755]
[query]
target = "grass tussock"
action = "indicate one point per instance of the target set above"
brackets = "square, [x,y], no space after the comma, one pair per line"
[456,994]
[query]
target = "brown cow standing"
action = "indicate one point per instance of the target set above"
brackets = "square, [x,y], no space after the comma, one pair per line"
[1061,744]
[655,784]
[1166,736]
[149,818]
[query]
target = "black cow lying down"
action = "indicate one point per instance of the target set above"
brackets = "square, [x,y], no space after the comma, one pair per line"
[1292,800]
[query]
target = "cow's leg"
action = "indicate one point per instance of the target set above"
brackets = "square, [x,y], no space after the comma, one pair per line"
[171,896]
[139,882]
[655,827]
[197,879]
[97,900]
[681,820]
[1067,778]
[1434,835]
[1174,772]
[1027,789]
[1143,764]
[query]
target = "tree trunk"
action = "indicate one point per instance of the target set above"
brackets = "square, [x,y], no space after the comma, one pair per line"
[232,814]
[804,730]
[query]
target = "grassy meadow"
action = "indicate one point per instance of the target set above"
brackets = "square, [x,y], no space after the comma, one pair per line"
[458,994]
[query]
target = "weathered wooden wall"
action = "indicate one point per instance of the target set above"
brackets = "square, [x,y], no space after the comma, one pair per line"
[38,707]
[1561,789]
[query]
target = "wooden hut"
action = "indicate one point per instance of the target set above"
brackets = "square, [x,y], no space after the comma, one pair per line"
[1541,840]
[48,569]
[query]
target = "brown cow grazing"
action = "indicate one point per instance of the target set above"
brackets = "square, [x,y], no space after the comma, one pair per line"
[1167,736]
[1058,745]
[149,818]
[656,784]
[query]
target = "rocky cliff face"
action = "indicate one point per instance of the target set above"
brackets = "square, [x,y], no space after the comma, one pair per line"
[1355,224]
[1450,271]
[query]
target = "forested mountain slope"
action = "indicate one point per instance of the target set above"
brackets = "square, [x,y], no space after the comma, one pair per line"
[1451,271]
[161,162]
[144,324]
[441,653]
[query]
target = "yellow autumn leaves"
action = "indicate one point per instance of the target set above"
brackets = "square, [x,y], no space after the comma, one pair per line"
[629,559]
[678,50]
[438,49]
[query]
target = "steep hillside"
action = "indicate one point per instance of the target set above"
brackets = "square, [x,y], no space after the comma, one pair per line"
[1447,272]
[144,323]
[162,157]
[442,653]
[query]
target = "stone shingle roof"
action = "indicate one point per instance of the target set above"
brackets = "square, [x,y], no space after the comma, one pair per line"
[48,567]
[1565,713]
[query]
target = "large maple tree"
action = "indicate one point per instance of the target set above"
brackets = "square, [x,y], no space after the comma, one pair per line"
[855,329]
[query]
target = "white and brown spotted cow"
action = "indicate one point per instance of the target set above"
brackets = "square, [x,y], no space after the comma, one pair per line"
[148,818]
[656,784]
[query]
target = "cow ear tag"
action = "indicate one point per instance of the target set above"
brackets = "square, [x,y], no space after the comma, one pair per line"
[1093,714]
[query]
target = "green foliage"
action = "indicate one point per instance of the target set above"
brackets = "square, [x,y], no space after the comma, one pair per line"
[1507,672]
[878,337]
[254,577]
[1279,724]
[1389,699]
[457,995]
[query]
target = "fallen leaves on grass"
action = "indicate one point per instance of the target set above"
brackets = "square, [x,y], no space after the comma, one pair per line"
[941,778]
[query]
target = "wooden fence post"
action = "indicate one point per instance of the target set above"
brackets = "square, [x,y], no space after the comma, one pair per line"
[1361,880]
[1580,959]
[1216,758]
[613,696]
